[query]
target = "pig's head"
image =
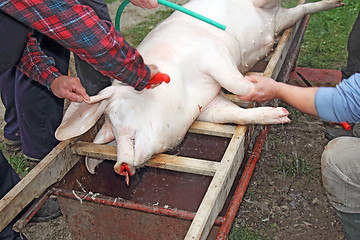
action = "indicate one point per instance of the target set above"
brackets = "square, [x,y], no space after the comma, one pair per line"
[122,124]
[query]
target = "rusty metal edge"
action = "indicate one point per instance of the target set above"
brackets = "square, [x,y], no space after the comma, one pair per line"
[115,202]
[21,223]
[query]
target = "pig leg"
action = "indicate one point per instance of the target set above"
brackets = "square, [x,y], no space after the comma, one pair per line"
[105,135]
[225,72]
[222,110]
[288,17]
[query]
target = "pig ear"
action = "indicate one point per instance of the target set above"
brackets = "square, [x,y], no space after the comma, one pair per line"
[80,117]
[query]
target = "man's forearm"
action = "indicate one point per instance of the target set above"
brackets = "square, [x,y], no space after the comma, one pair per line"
[35,64]
[302,98]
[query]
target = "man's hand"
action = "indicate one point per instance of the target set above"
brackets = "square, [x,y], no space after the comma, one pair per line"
[160,77]
[265,89]
[145,3]
[69,88]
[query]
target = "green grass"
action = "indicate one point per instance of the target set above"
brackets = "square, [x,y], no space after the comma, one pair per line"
[245,233]
[325,40]
[294,166]
[137,33]
[18,162]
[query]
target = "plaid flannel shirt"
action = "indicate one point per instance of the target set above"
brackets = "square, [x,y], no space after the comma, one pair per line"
[77,28]
[36,64]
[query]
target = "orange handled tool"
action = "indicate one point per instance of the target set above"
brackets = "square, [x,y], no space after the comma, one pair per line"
[158,78]
[344,125]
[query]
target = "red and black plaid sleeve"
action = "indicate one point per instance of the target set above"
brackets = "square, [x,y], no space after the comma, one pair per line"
[77,28]
[36,64]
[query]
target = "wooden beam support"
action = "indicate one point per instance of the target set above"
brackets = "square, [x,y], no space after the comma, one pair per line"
[47,172]
[164,161]
[219,188]
[94,150]
[213,129]
[184,164]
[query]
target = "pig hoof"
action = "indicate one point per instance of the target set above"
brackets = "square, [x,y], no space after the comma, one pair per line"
[91,164]
[276,115]
[286,112]
[283,116]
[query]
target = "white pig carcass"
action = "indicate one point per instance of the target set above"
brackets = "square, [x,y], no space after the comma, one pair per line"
[200,59]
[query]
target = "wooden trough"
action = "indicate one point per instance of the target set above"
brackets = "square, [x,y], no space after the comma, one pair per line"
[192,192]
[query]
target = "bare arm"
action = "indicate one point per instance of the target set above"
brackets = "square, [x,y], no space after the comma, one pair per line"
[267,89]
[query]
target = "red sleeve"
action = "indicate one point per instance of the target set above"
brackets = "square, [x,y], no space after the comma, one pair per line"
[36,64]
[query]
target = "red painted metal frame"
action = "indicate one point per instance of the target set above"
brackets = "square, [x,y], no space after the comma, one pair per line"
[244,182]
[21,223]
[181,214]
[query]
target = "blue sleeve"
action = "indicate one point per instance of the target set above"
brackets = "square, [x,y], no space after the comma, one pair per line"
[340,104]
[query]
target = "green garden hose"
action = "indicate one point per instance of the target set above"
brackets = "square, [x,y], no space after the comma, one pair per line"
[171,5]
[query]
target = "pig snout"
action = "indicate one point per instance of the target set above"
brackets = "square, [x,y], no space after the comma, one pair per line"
[124,168]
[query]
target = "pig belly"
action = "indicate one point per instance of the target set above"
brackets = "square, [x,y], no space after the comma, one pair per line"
[245,44]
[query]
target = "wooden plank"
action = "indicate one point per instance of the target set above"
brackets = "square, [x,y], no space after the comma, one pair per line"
[164,161]
[184,164]
[219,188]
[254,73]
[50,170]
[214,129]
[94,150]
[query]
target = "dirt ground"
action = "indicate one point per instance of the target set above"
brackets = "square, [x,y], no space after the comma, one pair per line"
[282,206]
[275,205]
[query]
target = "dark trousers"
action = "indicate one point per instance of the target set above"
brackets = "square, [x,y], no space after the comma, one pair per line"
[353,47]
[12,41]
[32,111]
